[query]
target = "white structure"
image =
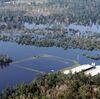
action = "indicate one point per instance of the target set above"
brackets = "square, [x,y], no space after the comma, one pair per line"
[93,64]
[94,71]
[87,69]
[79,69]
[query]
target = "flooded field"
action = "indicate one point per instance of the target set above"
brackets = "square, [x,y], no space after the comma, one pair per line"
[29,61]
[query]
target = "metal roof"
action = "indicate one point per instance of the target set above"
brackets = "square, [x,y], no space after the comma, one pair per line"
[79,69]
[94,71]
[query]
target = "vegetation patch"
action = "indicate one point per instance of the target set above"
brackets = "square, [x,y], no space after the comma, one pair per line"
[95,57]
[5,60]
[56,86]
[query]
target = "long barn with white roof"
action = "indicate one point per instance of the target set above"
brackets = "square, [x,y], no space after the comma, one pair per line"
[87,69]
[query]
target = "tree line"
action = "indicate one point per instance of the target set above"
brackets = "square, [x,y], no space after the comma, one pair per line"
[56,86]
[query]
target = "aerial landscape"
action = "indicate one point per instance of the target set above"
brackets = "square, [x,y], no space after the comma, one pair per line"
[49,49]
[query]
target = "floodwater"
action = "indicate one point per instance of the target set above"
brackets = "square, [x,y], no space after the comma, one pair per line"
[82,28]
[93,28]
[26,71]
